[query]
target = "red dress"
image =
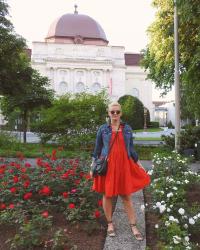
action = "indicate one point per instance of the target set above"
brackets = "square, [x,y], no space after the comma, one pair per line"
[124,176]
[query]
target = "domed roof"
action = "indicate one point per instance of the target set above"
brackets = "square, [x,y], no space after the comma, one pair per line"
[76,25]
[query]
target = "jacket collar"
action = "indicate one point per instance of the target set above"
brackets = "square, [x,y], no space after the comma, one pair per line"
[108,124]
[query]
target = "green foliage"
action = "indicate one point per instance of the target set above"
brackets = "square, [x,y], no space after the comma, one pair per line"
[154,125]
[170,125]
[73,119]
[171,178]
[13,67]
[188,139]
[7,140]
[132,111]
[158,57]
[34,95]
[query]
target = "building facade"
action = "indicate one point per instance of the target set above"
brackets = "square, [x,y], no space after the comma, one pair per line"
[76,57]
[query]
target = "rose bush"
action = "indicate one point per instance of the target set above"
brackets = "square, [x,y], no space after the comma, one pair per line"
[30,195]
[177,219]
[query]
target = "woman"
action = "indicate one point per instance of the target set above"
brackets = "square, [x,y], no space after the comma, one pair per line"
[125,174]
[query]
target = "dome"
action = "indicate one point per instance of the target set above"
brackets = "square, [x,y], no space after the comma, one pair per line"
[76,28]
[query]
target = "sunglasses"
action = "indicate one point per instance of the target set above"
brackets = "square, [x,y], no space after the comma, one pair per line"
[117,112]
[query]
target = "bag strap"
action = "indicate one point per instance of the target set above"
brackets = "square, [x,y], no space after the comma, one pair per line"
[113,142]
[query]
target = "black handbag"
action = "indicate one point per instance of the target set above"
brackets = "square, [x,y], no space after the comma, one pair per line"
[100,165]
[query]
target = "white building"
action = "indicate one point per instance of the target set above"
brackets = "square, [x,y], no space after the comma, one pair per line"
[76,57]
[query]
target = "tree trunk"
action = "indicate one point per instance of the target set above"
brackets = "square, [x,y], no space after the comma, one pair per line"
[25,118]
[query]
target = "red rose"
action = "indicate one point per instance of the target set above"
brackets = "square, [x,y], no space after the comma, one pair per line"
[100,203]
[87,177]
[65,194]
[71,205]
[65,175]
[2,206]
[11,206]
[77,182]
[27,196]
[15,179]
[23,170]
[45,191]
[26,184]
[13,189]
[39,162]
[97,214]
[27,164]
[45,214]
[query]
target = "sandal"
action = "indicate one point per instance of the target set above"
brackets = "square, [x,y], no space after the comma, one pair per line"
[111,232]
[138,236]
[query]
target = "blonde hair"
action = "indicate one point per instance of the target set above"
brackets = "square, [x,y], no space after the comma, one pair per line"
[114,104]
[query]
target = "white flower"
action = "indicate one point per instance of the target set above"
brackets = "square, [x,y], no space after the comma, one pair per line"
[169,195]
[198,215]
[150,172]
[176,239]
[156,226]
[178,182]
[191,221]
[171,218]
[162,208]
[175,188]
[158,204]
[185,226]
[186,238]
[195,217]
[167,223]
[181,211]
[186,181]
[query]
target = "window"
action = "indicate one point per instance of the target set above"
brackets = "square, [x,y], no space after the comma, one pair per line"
[80,87]
[63,87]
[96,87]
[135,92]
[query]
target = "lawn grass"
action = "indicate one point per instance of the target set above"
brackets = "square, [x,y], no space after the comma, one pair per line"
[147,139]
[148,130]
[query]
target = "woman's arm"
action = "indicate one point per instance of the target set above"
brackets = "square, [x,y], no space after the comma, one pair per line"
[134,155]
[98,145]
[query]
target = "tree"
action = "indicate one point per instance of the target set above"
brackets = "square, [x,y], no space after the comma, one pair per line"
[158,57]
[73,119]
[33,95]
[132,111]
[13,66]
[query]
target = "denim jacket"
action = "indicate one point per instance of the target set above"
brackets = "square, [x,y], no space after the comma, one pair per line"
[103,141]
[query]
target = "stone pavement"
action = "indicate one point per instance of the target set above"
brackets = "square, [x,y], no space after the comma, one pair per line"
[124,239]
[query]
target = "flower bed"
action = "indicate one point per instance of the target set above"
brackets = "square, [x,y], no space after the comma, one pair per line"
[33,199]
[173,205]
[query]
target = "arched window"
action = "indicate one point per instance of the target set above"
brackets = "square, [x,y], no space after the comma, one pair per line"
[80,87]
[63,88]
[96,87]
[135,92]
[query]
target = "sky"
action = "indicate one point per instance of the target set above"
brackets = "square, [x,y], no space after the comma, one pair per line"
[125,23]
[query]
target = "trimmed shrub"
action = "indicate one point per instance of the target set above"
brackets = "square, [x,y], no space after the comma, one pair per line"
[133,111]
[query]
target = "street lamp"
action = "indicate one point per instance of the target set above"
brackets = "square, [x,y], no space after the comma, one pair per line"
[176,80]
[145,118]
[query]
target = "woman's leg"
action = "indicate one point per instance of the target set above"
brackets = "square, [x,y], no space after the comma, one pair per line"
[107,207]
[128,205]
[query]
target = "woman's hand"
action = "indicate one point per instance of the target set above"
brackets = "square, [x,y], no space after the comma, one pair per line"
[91,175]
